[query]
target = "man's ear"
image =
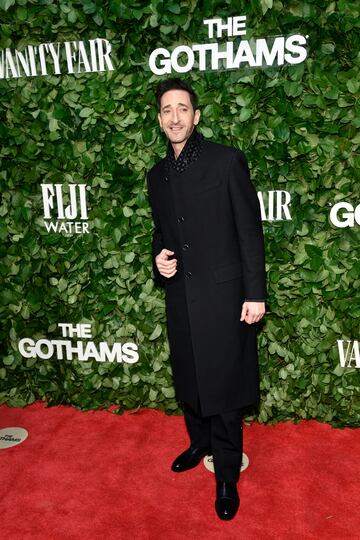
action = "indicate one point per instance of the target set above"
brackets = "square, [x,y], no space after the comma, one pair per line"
[197,117]
[159,119]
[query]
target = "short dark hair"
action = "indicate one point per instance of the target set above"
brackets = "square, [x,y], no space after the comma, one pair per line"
[175,84]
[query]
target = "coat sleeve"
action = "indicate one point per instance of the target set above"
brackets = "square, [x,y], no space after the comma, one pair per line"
[157,238]
[247,216]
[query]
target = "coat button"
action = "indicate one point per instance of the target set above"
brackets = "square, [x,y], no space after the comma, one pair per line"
[188,275]
[166,178]
[186,246]
[181,219]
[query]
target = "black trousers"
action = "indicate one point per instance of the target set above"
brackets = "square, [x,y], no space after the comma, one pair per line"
[223,435]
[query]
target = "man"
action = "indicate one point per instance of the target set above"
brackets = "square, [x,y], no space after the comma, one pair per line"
[209,254]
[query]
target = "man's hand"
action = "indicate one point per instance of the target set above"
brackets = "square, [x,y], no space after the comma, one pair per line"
[166,266]
[252,312]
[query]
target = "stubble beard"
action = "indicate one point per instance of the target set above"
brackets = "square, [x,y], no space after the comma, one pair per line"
[178,137]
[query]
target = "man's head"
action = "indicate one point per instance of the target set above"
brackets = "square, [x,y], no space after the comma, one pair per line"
[175,84]
[178,113]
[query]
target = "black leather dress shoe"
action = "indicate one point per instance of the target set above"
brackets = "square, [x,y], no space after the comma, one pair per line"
[189,459]
[227,500]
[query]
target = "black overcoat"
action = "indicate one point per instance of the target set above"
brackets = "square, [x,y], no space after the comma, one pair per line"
[209,215]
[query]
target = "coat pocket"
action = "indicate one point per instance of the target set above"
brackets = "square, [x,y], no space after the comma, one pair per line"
[226,273]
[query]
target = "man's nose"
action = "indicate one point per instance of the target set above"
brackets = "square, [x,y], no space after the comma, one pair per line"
[175,117]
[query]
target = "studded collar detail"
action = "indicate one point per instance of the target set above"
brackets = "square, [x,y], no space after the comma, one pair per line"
[188,154]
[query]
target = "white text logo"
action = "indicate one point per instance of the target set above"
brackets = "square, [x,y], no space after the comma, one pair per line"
[65,349]
[56,58]
[343,214]
[349,353]
[63,214]
[253,53]
[274,205]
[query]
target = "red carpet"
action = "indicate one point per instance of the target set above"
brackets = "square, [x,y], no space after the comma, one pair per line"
[97,476]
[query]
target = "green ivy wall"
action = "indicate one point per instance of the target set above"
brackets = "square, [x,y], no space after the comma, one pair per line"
[298,126]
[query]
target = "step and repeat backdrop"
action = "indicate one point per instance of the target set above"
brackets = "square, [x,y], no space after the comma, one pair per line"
[81,320]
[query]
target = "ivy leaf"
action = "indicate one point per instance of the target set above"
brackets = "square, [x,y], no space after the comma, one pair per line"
[86,112]
[174,8]
[156,332]
[5,4]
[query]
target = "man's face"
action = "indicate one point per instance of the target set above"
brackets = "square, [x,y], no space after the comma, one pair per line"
[177,117]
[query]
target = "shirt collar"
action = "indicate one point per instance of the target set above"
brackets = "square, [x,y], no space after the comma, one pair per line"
[188,154]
